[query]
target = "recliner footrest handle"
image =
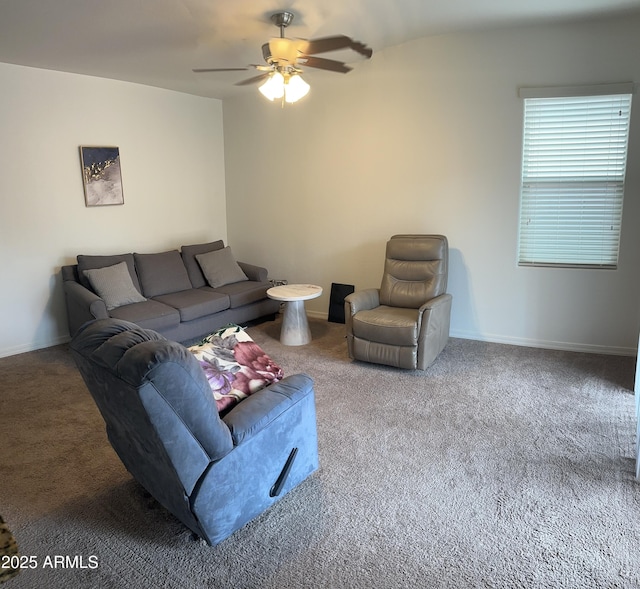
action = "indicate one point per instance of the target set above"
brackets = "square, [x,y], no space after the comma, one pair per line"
[277,487]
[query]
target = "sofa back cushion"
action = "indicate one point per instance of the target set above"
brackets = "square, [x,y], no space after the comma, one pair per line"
[189,253]
[93,262]
[162,273]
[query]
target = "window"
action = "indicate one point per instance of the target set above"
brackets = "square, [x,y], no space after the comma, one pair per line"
[573,170]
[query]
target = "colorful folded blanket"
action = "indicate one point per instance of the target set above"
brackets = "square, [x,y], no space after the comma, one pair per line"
[235,365]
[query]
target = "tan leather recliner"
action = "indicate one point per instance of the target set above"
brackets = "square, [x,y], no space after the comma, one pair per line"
[404,323]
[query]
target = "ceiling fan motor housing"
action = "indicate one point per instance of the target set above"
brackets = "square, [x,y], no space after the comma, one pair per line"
[281,52]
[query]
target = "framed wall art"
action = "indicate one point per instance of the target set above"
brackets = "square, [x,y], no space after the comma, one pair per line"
[101,176]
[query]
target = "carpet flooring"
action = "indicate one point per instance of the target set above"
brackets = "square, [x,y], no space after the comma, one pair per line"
[500,466]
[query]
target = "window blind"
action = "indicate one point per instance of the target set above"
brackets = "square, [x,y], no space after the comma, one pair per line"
[573,171]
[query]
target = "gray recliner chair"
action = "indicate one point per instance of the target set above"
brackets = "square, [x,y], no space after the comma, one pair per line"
[404,323]
[213,473]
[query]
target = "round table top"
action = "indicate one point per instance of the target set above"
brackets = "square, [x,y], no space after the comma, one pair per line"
[294,292]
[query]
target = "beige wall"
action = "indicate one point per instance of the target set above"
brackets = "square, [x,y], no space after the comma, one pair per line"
[426,137]
[171,148]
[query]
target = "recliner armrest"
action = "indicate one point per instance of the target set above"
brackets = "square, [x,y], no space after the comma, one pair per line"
[434,329]
[254,413]
[436,302]
[369,298]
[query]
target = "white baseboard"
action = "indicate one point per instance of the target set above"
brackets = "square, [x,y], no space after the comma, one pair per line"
[545,344]
[526,342]
[318,315]
[32,347]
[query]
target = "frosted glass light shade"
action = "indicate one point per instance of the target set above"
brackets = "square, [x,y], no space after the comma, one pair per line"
[295,89]
[274,86]
[285,50]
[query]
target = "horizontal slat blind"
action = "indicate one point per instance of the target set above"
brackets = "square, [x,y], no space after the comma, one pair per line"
[573,170]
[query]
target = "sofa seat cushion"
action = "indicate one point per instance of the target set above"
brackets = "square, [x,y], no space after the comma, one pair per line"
[242,293]
[234,365]
[195,303]
[390,325]
[162,273]
[149,315]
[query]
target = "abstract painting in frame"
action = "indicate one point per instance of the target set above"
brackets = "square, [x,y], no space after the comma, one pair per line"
[101,176]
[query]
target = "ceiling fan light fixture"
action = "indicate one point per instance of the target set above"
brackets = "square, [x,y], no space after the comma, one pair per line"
[274,86]
[284,51]
[284,56]
[295,89]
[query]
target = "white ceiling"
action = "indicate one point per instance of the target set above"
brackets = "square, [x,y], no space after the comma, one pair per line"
[159,42]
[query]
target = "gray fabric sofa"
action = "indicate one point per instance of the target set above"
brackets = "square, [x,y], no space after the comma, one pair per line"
[214,473]
[168,291]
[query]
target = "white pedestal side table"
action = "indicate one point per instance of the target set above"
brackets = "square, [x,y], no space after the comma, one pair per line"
[295,327]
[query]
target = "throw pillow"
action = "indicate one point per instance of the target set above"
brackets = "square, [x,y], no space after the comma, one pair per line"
[114,286]
[91,262]
[220,267]
[189,253]
[235,365]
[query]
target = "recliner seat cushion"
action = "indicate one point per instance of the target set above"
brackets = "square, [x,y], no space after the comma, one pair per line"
[389,325]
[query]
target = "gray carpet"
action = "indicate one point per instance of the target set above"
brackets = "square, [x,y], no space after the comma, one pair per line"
[500,466]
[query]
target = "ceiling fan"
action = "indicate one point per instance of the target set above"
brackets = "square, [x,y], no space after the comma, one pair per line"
[284,58]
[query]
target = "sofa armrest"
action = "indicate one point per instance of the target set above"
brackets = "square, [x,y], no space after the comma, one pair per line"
[257,273]
[361,300]
[82,305]
[257,411]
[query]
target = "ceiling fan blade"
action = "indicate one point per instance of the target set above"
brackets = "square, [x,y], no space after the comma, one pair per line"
[253,80]
[220,69]
[325,44]
[324,64]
